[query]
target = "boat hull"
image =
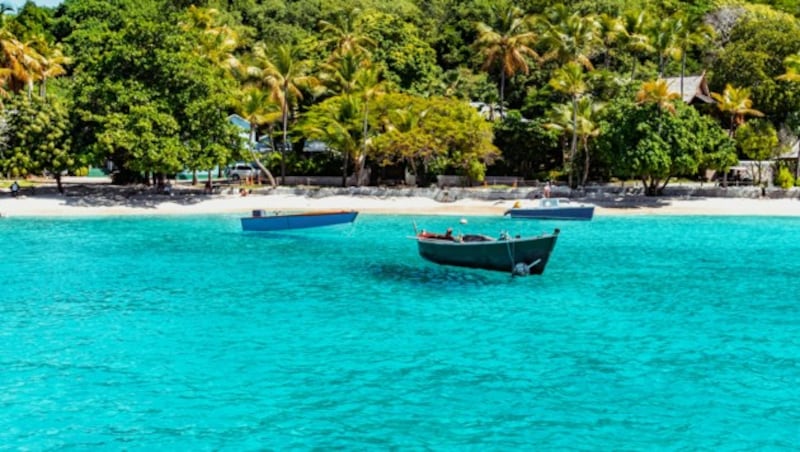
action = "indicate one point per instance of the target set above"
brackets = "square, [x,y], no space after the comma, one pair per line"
[297,221]
[497,255]
[584,213]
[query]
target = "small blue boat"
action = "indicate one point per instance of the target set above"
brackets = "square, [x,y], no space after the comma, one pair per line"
[553,209]
[261,221]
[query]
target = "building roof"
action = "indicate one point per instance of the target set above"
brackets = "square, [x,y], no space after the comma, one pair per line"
[240,122]
[695,88]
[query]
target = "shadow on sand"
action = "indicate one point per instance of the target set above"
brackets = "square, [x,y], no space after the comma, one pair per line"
[138,196]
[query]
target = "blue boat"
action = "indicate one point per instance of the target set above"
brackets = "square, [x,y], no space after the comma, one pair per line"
[261,221]
[553,209]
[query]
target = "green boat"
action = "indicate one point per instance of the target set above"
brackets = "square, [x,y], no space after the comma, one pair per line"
[517,255]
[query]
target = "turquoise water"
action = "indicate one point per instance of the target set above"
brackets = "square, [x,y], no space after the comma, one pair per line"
[185,333]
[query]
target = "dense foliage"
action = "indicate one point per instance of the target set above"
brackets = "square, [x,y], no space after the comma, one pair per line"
[532,89]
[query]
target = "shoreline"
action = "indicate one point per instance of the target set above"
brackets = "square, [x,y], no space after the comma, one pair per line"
[85,201]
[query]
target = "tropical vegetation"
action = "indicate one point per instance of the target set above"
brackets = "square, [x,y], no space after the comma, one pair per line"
[574,92]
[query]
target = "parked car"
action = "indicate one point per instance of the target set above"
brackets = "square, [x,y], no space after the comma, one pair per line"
[312,146]
[240,170]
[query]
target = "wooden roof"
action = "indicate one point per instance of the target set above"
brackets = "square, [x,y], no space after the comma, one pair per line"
[695,88]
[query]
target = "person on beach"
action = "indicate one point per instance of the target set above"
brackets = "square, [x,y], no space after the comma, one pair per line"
[547,189]
[14,189]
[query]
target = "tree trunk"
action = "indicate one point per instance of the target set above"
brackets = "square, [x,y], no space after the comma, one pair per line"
[663,186]
[683,71]
[502,90]
[362,160]
[344,169]
[285,133]
[265,171]
[573,145]
[725,170]
[586,163]
[58,182]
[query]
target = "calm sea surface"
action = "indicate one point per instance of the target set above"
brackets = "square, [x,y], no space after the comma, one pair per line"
[185,333]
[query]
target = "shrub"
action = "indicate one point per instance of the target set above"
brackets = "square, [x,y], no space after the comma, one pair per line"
[784,179]
[82,171]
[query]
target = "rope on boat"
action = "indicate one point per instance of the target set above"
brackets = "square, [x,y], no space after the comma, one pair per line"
[510,248]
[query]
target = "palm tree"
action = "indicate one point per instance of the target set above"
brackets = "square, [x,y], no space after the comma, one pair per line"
[570,79]
[369,86]
[657,92]
[256,106]
[507,45]
[338,75]
[611,30]
[688,36]
[53,62]
[23,62]
[284,74]
[737,103]
[792,65]
[570,36]
[588,127]
[346,35]
[664,38]
[637,43]
[337,122]
[216,43]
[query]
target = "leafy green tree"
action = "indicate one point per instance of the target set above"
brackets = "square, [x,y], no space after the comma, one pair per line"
[405,59]
[753,58]
[145,138]
[758,141]
[530,149]
[142,73]
[434,135]
[792,75]
[654,146]
[39,139]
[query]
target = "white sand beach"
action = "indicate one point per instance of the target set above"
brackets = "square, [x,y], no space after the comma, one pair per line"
[53,205]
